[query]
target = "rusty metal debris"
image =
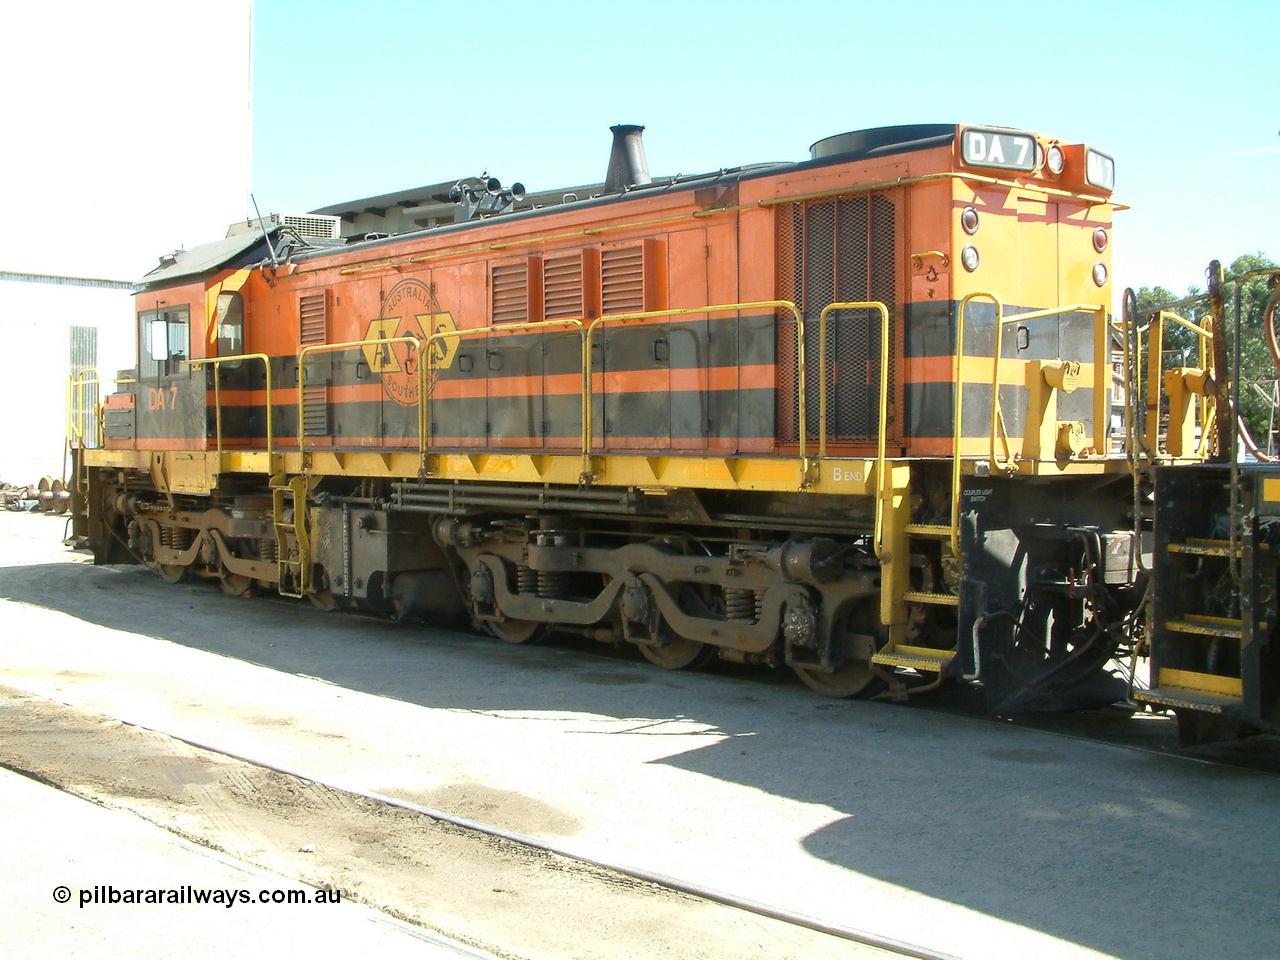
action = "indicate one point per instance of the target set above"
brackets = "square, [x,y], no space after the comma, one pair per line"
[49,495]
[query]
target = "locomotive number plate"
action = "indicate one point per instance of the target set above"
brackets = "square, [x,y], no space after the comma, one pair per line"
[1006,149]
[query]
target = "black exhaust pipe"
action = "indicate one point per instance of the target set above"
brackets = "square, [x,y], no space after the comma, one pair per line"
[627,164]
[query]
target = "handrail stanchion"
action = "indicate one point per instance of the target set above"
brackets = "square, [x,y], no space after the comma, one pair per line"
[424,368]
[217,399]
[774,305]
[75,405]
[884,400]
[587,332]
[331,348]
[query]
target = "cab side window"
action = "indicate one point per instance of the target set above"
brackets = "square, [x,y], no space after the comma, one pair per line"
[229,317]
[164,341]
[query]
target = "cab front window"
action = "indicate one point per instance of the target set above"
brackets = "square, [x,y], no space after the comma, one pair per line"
[164,339]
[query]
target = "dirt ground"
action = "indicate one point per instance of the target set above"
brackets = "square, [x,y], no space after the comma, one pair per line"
[488,892]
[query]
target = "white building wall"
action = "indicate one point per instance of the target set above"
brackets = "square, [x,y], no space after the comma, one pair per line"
[134,140]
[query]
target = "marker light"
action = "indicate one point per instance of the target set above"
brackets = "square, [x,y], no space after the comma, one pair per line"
[969,220]
[969,257]
[1100,274]
[1056,160]
[1100,239]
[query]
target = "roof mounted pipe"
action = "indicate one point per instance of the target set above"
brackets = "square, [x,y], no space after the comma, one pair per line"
[627,164]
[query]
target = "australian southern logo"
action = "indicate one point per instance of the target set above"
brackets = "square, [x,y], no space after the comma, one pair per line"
[410,310]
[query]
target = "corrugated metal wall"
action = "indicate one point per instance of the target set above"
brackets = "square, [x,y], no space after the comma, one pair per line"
[84,356]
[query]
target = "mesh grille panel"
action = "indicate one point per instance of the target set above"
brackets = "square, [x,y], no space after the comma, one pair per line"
[319,226]
[510,292]
[831,251]
[622,280]
[562,287]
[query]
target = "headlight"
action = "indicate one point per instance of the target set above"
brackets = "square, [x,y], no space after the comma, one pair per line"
[969,257]
[969,220]
[1056,160]
[1100,274]
[1100,170]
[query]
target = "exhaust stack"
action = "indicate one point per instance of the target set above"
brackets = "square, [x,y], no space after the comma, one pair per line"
[627,164]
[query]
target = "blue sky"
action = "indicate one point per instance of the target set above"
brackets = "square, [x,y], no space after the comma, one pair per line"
[352,100]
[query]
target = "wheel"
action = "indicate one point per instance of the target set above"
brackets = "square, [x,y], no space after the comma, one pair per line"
[853,678]
[172,573]
[322,600]
[234,584]
[515,631]
[679,654]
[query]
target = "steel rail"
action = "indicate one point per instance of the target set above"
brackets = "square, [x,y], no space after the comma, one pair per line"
[701,891]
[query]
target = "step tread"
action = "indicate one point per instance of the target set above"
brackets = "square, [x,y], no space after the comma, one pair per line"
[916,658]
[1207,626]
[919,596]
[928,529]
[1187,699]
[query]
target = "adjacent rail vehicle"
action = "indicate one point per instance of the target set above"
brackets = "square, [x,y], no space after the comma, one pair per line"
[852,415]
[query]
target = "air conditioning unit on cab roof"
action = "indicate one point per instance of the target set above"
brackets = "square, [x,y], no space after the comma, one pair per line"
[309,226]
[317,225]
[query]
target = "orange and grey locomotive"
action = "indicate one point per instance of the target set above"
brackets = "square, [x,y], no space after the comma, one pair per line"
[852,415]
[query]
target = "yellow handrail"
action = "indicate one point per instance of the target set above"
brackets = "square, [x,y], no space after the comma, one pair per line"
[76,400]
[884,399]
[1203,338]
[997,415]
[330,348]
[424,394]
[957,384]
[217,397]
[588,332]
[75,404]
[723,308]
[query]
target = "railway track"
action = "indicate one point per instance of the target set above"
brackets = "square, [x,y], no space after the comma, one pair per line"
[70,757]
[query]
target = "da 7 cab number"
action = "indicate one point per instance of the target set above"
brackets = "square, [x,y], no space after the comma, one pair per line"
[1006,149]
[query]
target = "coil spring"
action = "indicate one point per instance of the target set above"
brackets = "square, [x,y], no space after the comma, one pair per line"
[739,604]
[270,551]
[552,584]
[526,580]
[177,538]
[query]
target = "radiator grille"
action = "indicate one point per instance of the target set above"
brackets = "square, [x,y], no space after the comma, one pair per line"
[562,287]
[829,251]
[622,280]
